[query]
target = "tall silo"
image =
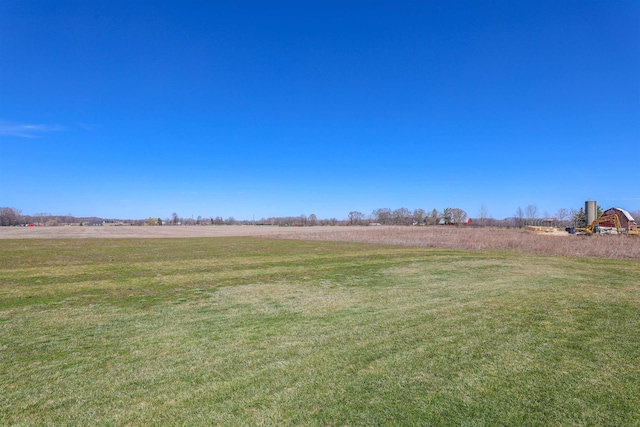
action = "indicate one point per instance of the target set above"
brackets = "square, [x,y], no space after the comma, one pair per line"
[591,208]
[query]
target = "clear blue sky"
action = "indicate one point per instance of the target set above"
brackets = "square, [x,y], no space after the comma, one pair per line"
[126,109]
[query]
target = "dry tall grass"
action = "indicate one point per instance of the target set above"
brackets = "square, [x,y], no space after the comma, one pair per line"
[619,247]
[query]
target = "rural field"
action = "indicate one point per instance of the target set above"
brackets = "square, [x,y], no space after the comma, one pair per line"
[514,240]
[317,326]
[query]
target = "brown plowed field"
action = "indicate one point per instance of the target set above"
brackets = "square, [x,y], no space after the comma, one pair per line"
[149,232]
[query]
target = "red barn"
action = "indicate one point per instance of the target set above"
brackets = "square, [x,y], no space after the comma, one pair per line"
[625,218]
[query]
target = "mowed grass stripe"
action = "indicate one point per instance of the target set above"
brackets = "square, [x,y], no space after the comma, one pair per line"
[244,331]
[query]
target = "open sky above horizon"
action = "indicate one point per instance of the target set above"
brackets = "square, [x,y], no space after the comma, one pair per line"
[253,109]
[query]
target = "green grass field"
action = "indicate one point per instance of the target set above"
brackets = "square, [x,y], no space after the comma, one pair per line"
[247,331]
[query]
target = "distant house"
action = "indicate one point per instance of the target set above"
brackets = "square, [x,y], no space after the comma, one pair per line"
[625,218]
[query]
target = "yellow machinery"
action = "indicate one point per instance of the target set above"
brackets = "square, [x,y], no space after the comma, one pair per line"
[591,228]
[631,230]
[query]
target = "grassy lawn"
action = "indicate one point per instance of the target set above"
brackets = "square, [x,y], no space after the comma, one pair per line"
[246,331]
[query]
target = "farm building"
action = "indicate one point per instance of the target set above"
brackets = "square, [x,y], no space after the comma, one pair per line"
[625,218]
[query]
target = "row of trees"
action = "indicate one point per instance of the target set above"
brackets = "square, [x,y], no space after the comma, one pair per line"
[13,217]
[384,216]
[403,216]
[10,216]
[295,221]
[563,217]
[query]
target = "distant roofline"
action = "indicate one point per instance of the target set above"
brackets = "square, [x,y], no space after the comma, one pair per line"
[627,214]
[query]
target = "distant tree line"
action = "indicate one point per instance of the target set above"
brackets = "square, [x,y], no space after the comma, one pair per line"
[293,221]
[10,216]
[404,216]
[14,217]
[381,216]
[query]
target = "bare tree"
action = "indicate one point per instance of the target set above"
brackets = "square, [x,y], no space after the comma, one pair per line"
[10,216]
[446,216]
[457,215]
[532,211]
[42,216]
[519,217]
[419,216]
[355,217]
[483,215]
[382,216]
[313,220]
[433,218]
[562,215]
[401,216]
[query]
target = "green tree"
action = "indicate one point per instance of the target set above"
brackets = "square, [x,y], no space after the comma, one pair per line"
[579,219]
